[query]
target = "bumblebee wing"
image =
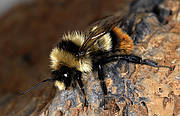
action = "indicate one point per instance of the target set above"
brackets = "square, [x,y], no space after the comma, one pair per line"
[99,29]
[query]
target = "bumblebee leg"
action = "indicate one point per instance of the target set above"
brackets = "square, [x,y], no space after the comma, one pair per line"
[101,78]
[103,84]
[81,85]
[154,64]
[133,59]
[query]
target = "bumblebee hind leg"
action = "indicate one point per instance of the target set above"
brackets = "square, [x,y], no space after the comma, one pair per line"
[134,59]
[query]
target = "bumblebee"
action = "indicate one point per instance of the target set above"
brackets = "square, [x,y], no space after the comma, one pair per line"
[79,53]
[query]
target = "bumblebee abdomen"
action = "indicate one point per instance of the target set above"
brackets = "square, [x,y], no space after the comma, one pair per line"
[121,41]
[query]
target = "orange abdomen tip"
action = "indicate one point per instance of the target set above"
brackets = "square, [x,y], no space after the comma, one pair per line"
[126,44]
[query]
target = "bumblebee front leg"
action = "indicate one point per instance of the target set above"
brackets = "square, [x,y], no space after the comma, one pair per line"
[103,84]
[81,85]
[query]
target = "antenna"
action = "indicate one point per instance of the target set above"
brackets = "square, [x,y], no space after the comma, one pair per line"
[37,85]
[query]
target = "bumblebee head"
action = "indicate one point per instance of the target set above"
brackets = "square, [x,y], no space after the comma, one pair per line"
[65,76]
